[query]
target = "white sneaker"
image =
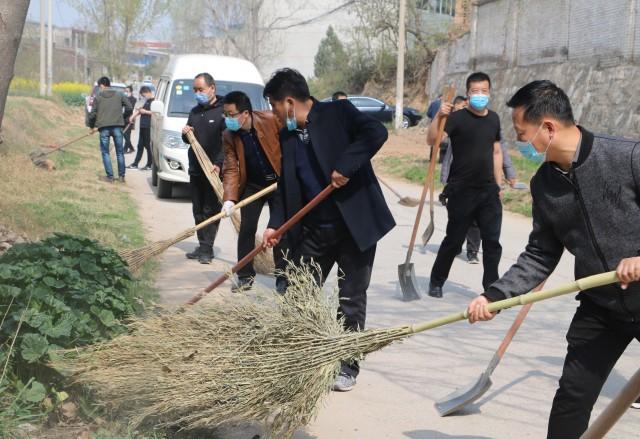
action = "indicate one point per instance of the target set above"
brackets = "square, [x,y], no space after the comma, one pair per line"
[636,405]
[344,382]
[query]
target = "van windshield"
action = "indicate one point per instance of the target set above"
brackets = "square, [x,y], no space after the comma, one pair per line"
[181,99]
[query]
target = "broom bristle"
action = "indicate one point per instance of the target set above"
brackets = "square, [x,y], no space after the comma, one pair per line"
[231,360]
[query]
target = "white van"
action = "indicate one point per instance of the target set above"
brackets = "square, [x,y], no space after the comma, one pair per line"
[174,99]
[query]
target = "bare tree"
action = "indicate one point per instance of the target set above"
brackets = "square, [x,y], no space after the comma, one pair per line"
[12,17]
[117,22]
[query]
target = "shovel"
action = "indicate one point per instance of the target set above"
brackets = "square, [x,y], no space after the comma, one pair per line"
[403,201]
[468,394]
[428,233]
[406,272]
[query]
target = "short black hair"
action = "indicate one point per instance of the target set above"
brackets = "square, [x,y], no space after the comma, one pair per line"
[207,78]
[104,81]
[543,98]
[337,95]
[478,77]
[287,82]
[459,98]
[145,89]
[240,100]
[130,88]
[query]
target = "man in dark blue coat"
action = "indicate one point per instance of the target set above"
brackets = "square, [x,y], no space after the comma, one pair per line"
[330,143]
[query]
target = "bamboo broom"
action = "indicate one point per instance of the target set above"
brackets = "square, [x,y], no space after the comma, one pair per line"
[136,257]
[263,263]
[230,361]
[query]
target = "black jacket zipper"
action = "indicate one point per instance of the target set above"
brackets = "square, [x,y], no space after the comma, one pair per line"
[573,180]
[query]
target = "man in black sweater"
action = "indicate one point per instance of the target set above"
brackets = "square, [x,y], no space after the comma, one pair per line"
[585,199]
[473,185]
[330,143]
[206,120]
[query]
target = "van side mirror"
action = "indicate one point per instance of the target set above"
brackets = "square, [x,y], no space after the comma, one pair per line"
[157,107]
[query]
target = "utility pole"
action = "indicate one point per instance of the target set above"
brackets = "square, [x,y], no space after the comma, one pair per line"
[74,35]
[86,53]
[43,87]
[50,50]
[400,71]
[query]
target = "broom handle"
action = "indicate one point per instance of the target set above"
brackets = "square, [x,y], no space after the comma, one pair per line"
[616,408]
[448,93]
[586,283]
[279,232]
[389,187]
[240,204]
[68,143]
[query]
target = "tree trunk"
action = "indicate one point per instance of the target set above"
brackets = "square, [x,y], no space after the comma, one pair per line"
[12,17]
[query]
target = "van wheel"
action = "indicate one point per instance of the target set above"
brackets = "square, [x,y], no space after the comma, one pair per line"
[165,188]
[154,174]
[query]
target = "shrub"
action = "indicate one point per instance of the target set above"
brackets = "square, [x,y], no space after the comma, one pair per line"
[62,292]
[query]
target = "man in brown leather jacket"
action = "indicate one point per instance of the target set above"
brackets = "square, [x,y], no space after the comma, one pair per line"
[251,163]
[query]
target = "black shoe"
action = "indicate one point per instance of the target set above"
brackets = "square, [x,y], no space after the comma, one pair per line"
[472,258]
[121,179]
[133,166]
[146,168]
[106,179]
[244,284]
[281,285]
[195,254]
[206,255]
[435,291]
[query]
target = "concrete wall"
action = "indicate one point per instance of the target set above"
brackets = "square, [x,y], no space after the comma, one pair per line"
[590,48]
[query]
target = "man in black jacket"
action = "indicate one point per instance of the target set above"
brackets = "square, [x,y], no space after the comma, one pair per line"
[330,143]
[206,120]
[585,199]
[128,147]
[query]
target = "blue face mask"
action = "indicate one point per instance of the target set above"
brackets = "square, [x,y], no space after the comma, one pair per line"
[202,98]
[232,123]
[529,152]
[291,122]
[479,102]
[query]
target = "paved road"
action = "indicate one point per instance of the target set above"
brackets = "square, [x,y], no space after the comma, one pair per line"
[397,387]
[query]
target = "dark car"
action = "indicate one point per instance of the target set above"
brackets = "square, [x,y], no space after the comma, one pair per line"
[384,112]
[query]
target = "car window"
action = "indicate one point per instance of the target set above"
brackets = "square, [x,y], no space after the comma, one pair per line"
[181,99]
[358,102]
[370,102]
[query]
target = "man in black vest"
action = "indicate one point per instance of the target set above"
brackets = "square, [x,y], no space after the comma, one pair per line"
[206,120]
[330,143]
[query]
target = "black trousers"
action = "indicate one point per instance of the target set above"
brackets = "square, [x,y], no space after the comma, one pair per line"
[327,246]
[596,341]
[127,140]
[205,204]
[144,143]
[473,240]
[249,216]
[464,206]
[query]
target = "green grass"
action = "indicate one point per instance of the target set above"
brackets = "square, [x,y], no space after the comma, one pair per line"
[414,170]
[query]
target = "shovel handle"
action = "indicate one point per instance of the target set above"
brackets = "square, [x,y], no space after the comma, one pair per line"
[614,411]
[279,232]
[397,194]
[522,314]
[448,97]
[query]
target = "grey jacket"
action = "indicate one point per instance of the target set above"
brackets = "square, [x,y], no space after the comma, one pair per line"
[108,108]
[594,212]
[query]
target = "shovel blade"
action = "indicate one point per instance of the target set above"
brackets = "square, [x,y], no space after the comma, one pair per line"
[464,396]
[409,202]
[37,155]
[408,282]
[428,233]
